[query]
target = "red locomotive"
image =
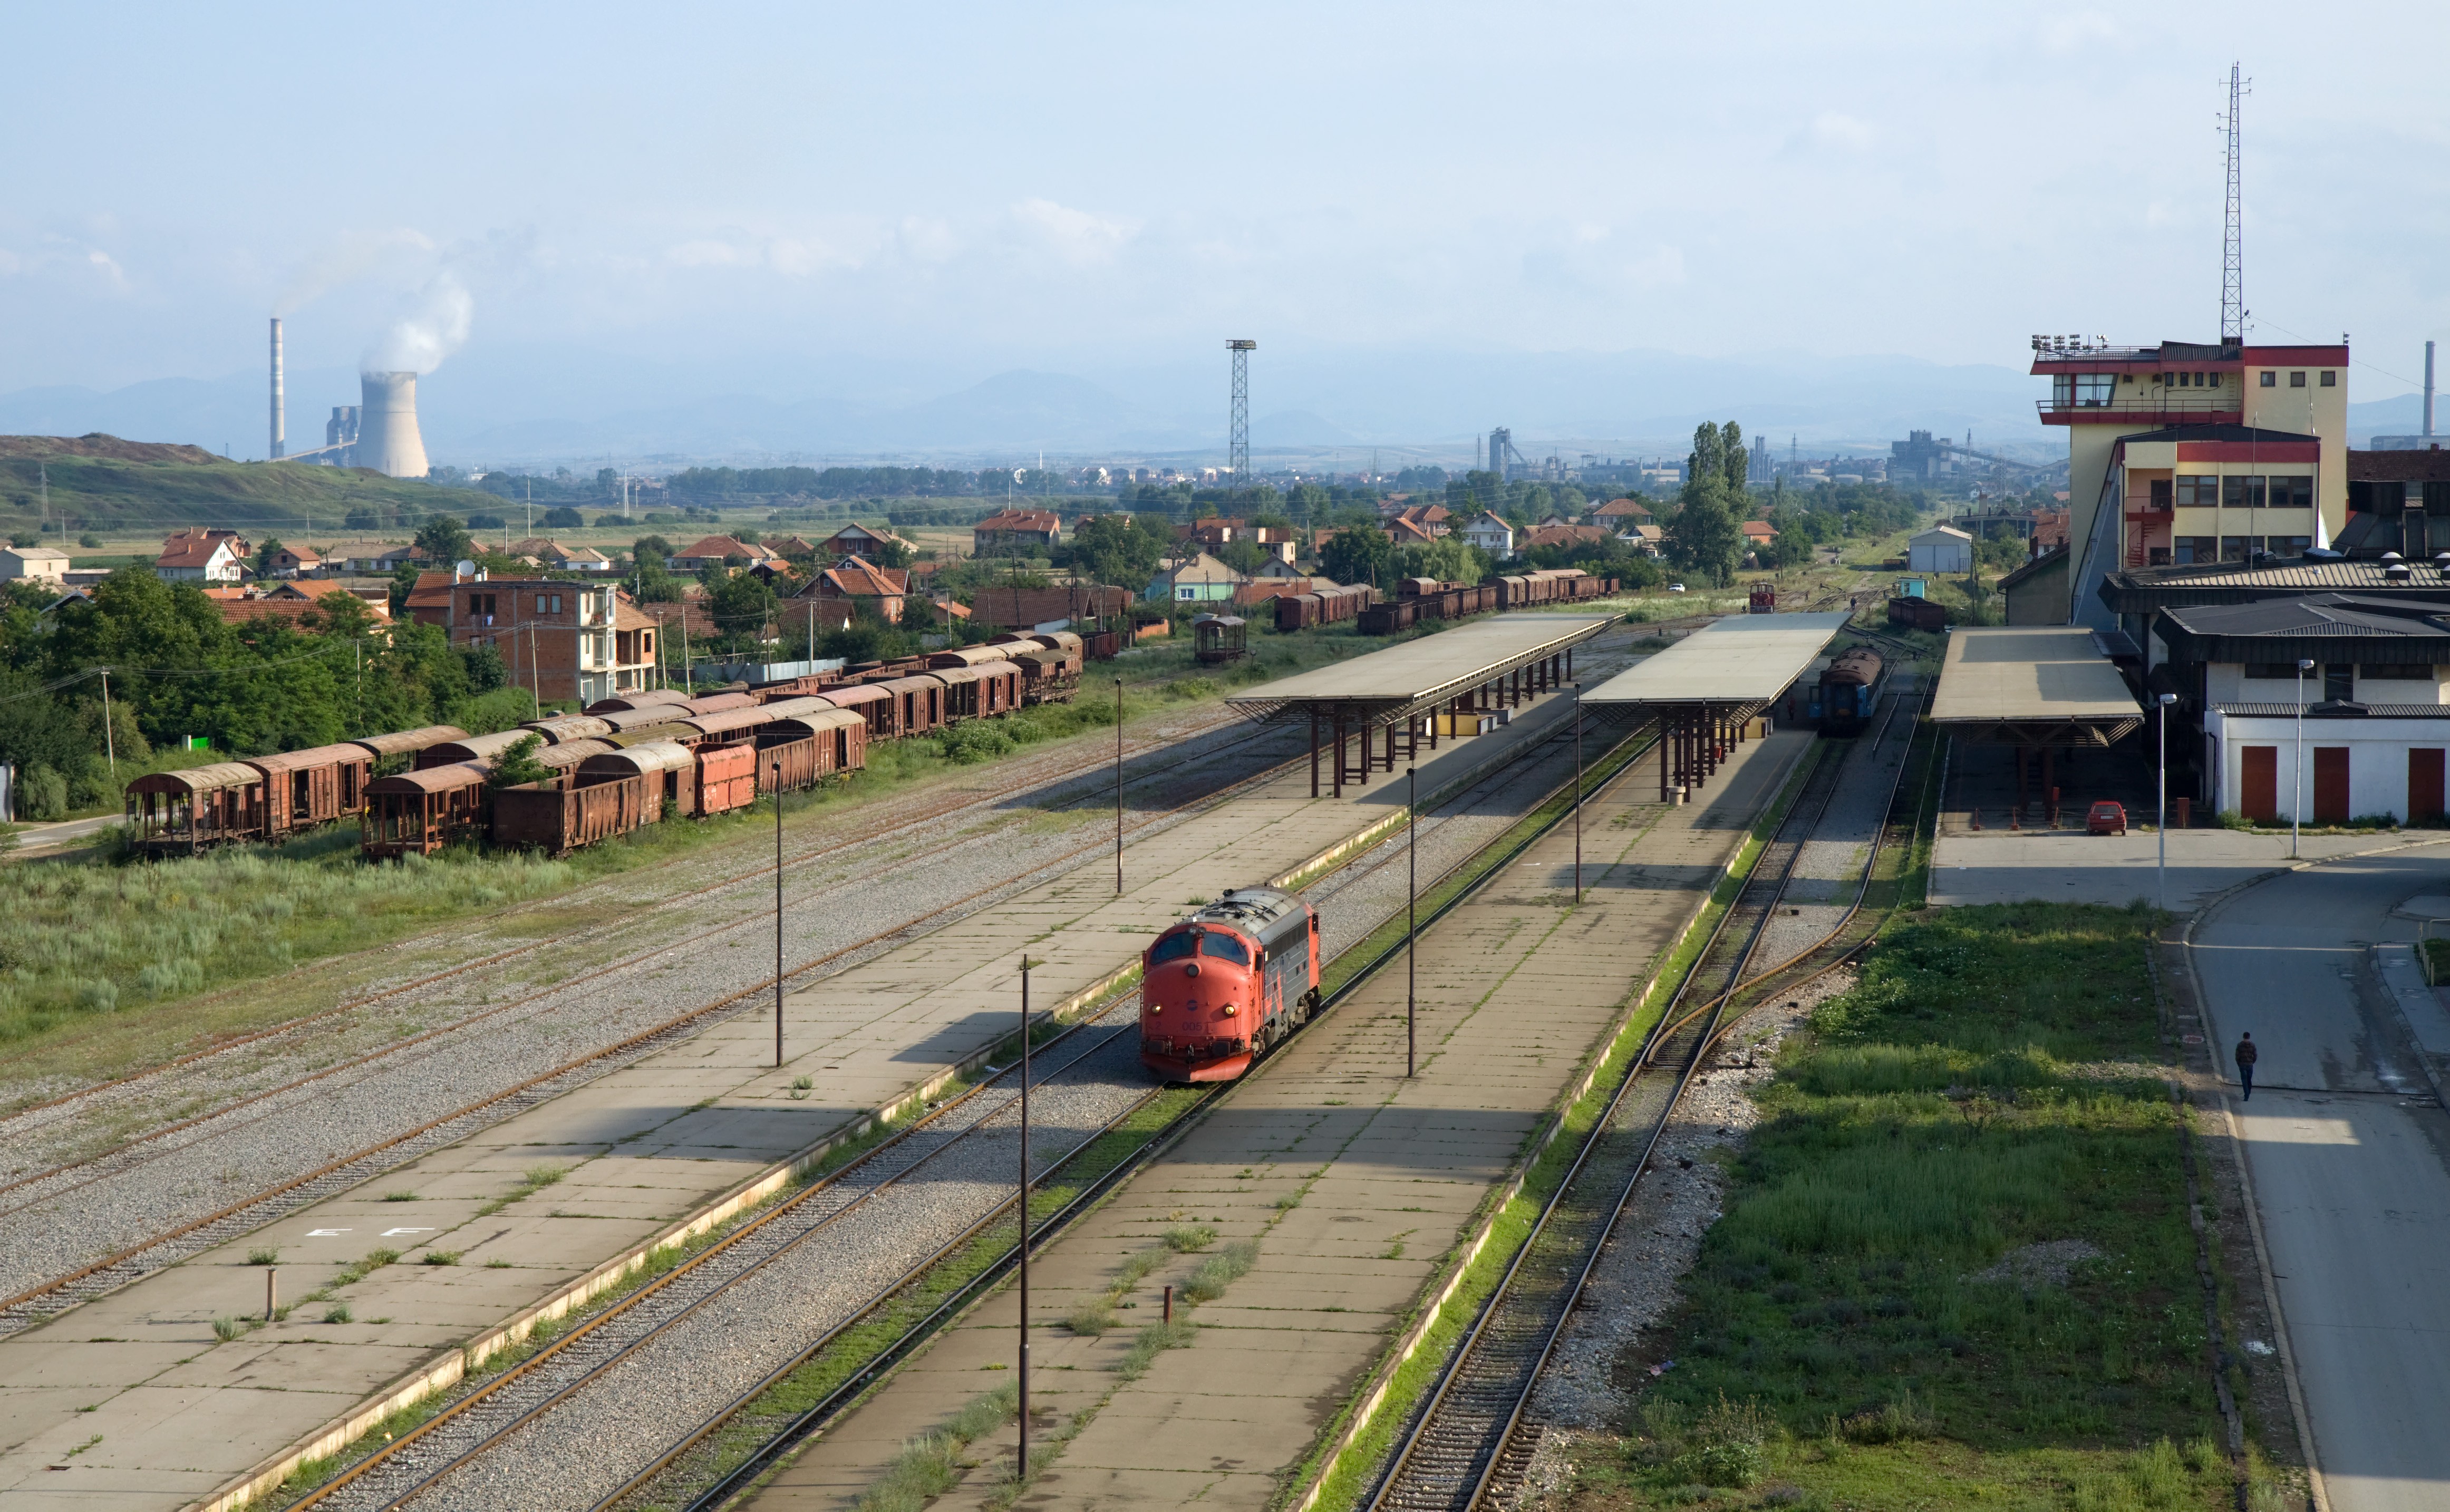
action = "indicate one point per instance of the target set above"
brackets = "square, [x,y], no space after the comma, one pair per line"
[1221,988]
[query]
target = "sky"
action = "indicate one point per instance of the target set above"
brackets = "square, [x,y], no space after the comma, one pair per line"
[610,208]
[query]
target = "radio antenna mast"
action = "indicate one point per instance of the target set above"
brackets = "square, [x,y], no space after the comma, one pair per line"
[2232,286]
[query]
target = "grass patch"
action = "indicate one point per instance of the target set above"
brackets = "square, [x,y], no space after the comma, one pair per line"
[1961,1103]
[931,1465]
[536,1179]
[1185,1239]
[262,1257]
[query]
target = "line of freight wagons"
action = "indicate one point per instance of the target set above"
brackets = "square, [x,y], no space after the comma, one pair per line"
[1426,598]
[624,762]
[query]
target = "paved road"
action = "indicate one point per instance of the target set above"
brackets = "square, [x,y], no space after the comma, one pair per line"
[68,832]
[2350,1156]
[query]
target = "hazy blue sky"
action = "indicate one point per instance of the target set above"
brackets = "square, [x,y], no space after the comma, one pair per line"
[804,200]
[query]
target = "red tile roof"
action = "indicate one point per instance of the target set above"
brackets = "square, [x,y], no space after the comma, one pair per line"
[854,577]
[1021,520]
[1620,509]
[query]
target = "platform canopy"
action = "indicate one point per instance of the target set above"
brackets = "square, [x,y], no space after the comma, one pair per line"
[1739,666]
[1419,675]
[2032,686]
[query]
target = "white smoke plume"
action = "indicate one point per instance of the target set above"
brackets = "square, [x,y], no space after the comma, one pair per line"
[429,327]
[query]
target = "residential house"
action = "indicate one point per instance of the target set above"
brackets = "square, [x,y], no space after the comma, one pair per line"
[715,551]
[201,557]
[1010,528]
[854,583]
[429,600]
[1432,520]
[1940,549]
[33,564]
[1758,534]
[1560,534]
[851,540]
[1621,512]
[2036,594]
[1195,579]
[292,561]
[1405,531]
[791,546]
[563,637]
[1490,533]
[240,546]
[1279,570]
[549,553]
[364,558]
[1648,539]
[1031,607]
[287,604]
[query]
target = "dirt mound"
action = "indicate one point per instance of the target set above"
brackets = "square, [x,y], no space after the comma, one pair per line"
[109,447]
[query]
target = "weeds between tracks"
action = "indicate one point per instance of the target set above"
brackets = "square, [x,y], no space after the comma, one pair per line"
[1956,1264]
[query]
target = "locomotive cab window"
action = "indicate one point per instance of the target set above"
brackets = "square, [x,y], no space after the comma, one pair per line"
[1224,947]
[1173,947]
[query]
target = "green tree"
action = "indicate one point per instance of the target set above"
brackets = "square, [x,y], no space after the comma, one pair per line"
[264,555]
[1244,556]
[741,601]
[1357,555]
[519,766]
[1705,537]
[442,539]
[1450,559]
[562,518]
[1118,549]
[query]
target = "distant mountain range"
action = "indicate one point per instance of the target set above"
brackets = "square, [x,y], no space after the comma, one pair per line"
[542,408]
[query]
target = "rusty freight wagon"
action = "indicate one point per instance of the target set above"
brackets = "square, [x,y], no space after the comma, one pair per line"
[306,788]
[835,740]
[486,749]
[558,819]
[1388,618]
[726,776]
[985,690]
[923,702]
[562,728]
[871,702]
[669,772]
[422,811]
[406,742]
[1298,611]
[968,655]
[1219,638]
[203,805]
[645,698]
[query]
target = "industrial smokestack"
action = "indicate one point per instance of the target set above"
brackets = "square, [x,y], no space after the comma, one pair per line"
[2428,391]
[387,438]
[279,408]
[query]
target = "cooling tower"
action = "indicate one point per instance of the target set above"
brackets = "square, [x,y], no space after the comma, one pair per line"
[387,438]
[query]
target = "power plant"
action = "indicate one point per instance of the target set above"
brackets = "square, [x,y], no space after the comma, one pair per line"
[387,438]
[380,433]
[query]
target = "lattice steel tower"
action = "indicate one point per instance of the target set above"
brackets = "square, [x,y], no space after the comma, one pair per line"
[2232,281]
[1237,424]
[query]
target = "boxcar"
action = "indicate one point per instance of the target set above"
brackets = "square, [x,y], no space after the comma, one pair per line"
[406,742]
[199,807]
[621,721]
[967,656]
[568,727]
[671,767]
[717,703]
[983,691]
[920,701]
[423,810]
[1385,619]
[644,698]
[1298,611]
[315,786]
[1219,638]
[837,739]
[870,703]
[474,748]
[726,776]
[1917,614]
[558,819]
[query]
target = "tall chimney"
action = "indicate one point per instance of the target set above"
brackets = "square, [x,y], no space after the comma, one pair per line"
[280,409]
[2428,391]
[387,438]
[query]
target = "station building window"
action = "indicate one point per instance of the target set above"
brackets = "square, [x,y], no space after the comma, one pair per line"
[2271,380]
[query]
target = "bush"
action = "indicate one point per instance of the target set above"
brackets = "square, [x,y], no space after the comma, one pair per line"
[89,541]
[2231,818]
[562,518]
[43,794]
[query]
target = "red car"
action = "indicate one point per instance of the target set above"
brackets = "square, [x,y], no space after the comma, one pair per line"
[2106,818]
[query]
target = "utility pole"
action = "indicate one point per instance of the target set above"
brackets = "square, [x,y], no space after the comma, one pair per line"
[1237,423]
[1020,1472]
[1119,787]
[778,914]
[1411,903]
[110,748]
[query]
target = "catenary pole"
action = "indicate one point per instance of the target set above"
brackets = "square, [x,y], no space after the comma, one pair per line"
[1411,917]
[1578,795]
[1119,787]
[1022,1472]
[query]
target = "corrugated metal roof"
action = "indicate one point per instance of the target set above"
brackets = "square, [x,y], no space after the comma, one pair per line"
[402,742]
[2029,673]
[1463,657]
[2288,711]
[1740,659]
[291,761]
[210,778]
[433,779]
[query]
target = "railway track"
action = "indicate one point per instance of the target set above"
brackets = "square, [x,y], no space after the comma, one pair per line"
[411,1467]
[1465,1445]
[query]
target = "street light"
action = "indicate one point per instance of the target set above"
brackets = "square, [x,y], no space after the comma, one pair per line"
[1119,787]
[1412,900]
[1022,1473]
[2297,776]
[778,915]
[2161,820]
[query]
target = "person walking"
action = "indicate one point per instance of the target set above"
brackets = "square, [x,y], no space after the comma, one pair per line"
[2246,1055]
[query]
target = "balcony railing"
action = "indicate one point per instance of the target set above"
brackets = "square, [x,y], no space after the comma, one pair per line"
[2209,411]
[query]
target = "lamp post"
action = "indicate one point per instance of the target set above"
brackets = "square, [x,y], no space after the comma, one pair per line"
[1022,1472]
[2297,776]
[1577,796]
[2161,819]
[1119,787]
[778,915]
[1412,900]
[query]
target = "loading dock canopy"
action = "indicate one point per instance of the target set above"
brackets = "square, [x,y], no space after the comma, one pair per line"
[1412,678]
[1739,666]
[2034,686]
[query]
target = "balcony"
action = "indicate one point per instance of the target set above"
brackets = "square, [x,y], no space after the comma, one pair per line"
[2154,413]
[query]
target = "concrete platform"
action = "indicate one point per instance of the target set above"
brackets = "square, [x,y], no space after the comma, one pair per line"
[1356,1183]
[181,1413]
[2070,866]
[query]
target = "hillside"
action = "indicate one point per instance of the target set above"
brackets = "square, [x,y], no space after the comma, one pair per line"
[100,482]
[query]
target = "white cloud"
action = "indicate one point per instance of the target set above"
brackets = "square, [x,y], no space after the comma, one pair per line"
[1076,236]
[1663,267]
[708,253]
